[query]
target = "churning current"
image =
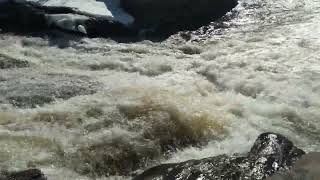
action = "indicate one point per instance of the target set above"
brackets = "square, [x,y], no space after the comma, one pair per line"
[120,108]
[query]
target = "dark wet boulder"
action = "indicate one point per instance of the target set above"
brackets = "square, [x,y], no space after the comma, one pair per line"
[31,174]
[29,90]
[269,154]
[273,152]
[167,16]
[307,168]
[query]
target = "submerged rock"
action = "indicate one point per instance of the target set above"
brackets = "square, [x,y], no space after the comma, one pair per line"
[27,90]
[307,168]
[31,174]
[269,154]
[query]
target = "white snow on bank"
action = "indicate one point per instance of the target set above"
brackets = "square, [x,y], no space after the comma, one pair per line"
[68,22]
[106,8]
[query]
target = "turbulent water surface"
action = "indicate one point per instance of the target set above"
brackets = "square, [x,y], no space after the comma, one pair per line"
[81,108]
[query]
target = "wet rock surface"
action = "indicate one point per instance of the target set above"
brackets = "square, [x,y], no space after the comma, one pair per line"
[307,168]
[269,154]
[31,174]
[30,91]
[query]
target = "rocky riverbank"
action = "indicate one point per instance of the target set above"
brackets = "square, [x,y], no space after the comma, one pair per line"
[126,18]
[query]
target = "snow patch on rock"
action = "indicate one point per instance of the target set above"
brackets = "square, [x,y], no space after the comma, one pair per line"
[69,22]
[106,8]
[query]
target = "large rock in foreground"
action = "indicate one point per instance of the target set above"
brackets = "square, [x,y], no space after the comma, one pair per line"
[269,154]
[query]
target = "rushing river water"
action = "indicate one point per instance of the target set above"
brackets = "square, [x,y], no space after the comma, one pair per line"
[138,102]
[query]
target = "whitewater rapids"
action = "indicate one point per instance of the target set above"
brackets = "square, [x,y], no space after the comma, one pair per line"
[211,95]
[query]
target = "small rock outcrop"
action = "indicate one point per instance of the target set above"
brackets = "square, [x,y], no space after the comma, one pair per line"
[269,154]
[31,174]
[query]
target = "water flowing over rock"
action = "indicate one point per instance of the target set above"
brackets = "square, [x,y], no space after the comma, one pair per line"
[269,154]
[30,91]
